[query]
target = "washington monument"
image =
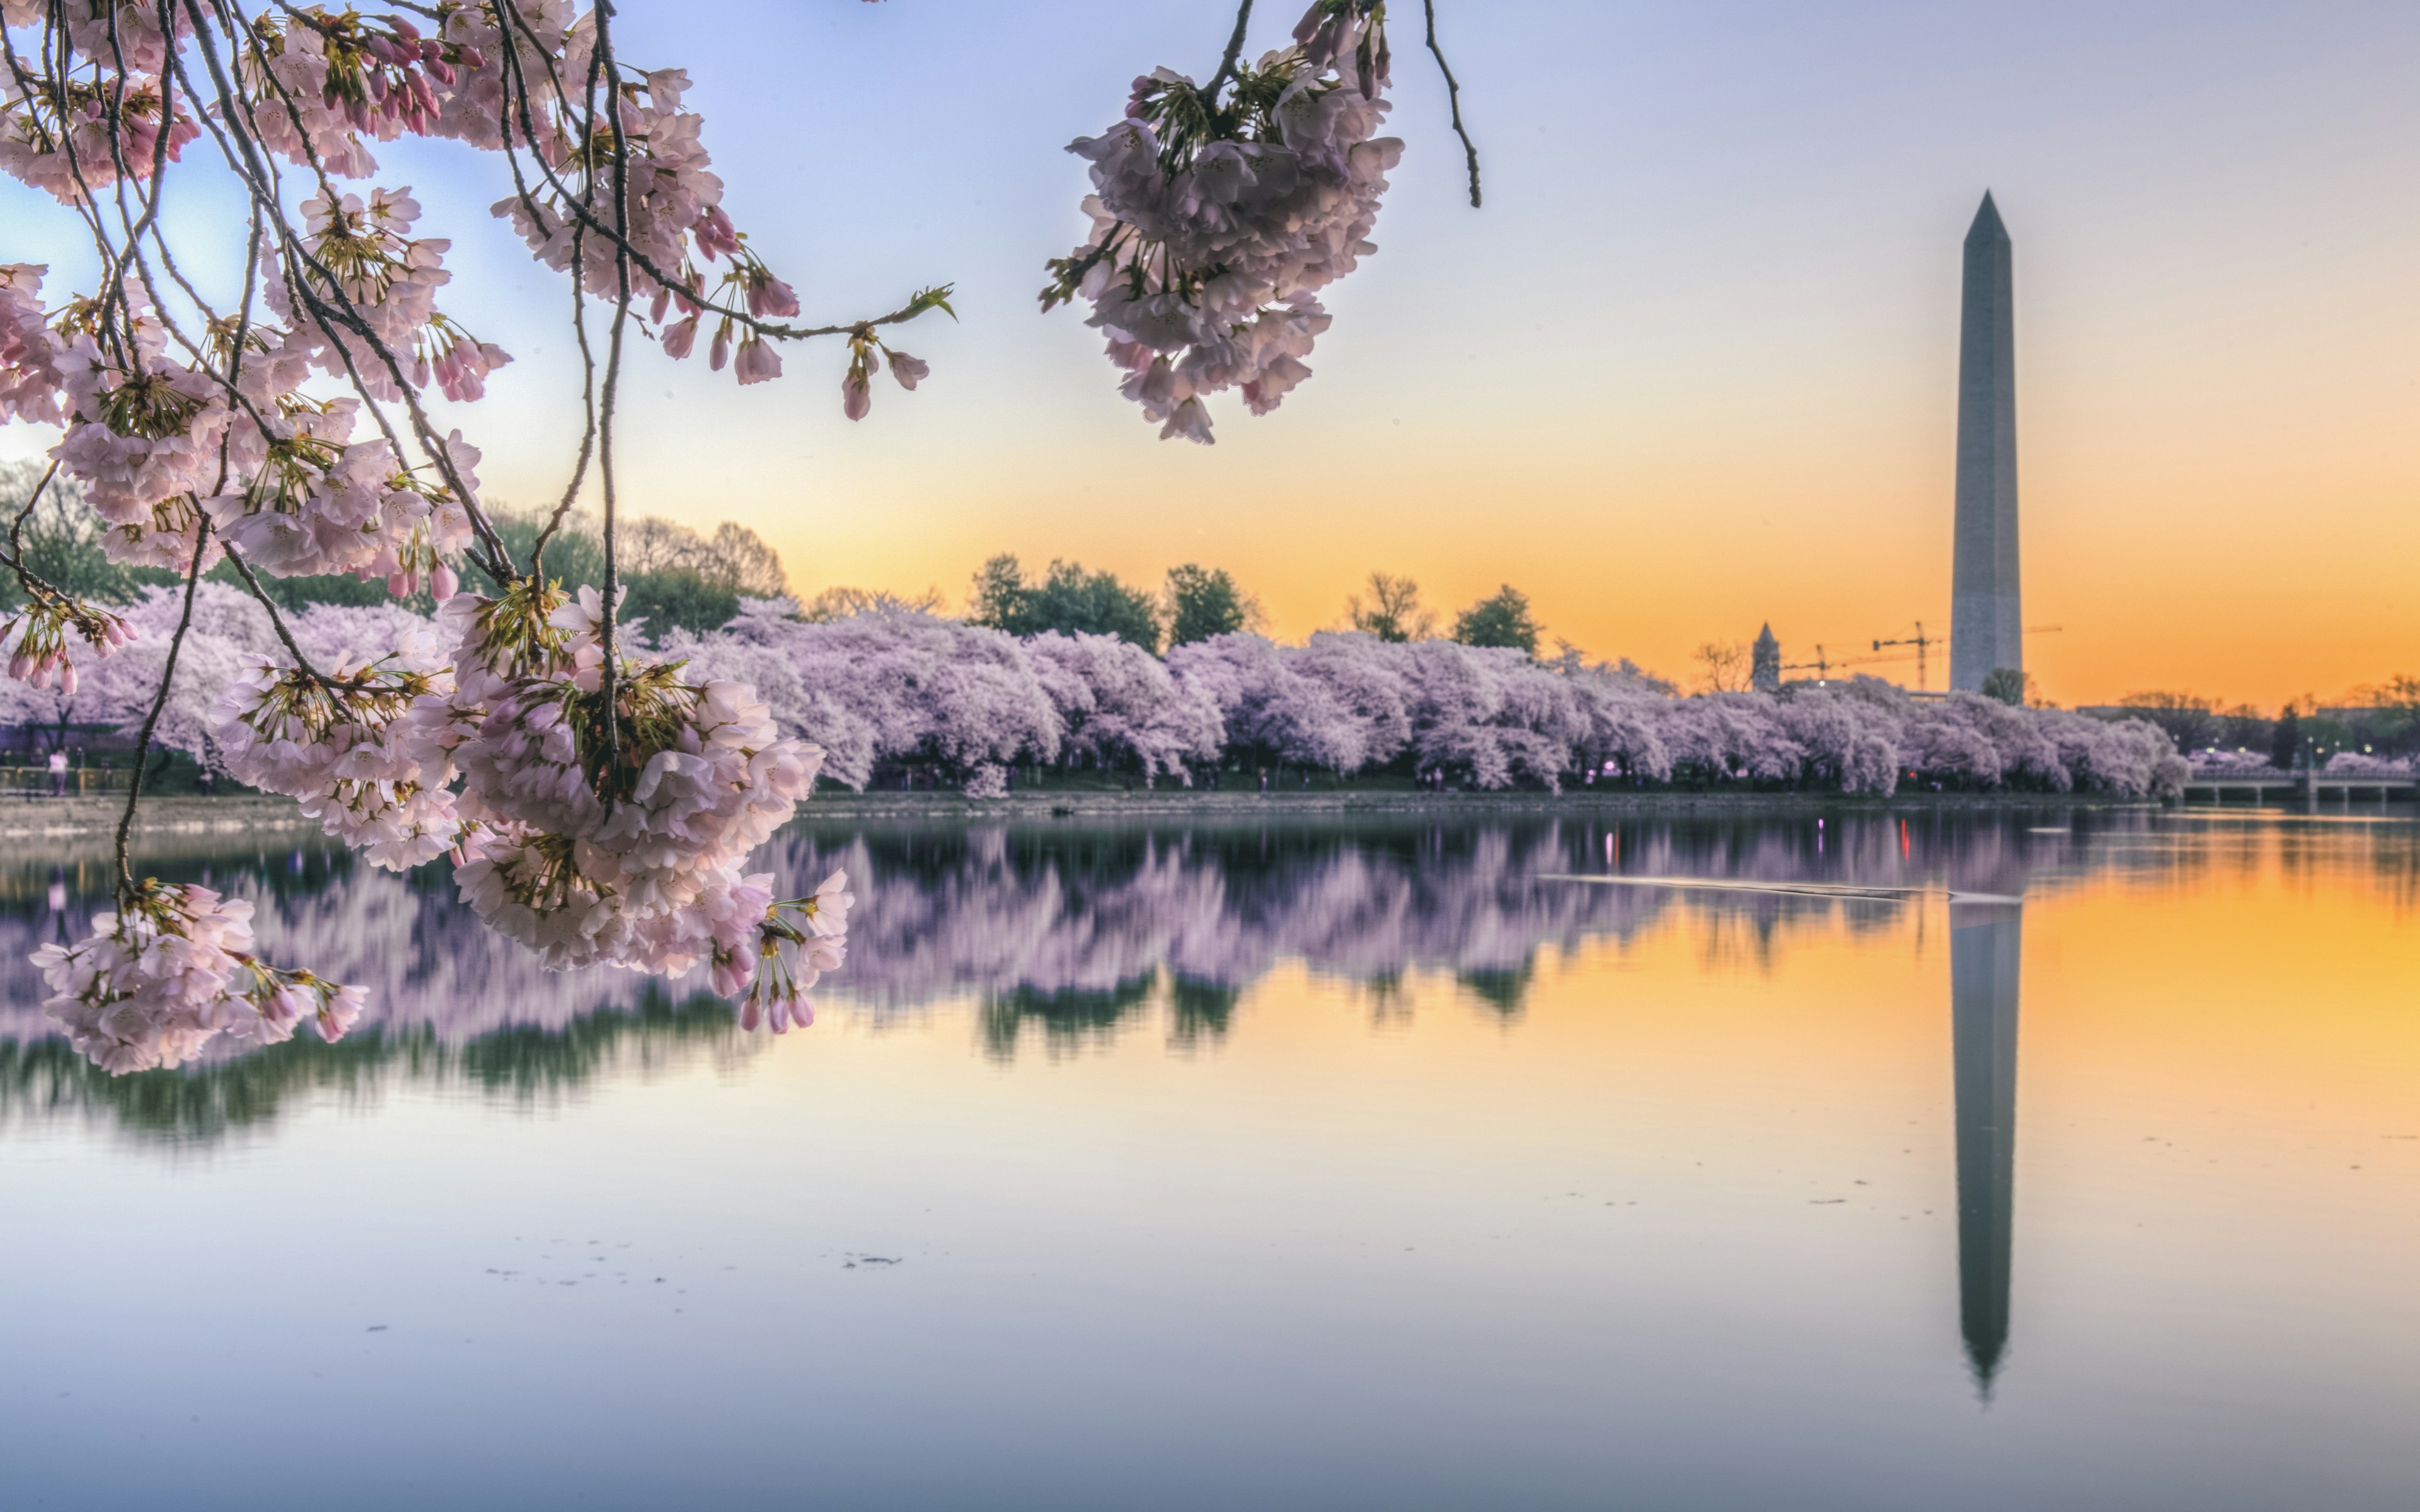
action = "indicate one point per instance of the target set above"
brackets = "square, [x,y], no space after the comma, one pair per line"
[1986,622]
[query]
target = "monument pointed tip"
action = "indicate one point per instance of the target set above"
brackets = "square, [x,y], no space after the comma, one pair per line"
[1987,221]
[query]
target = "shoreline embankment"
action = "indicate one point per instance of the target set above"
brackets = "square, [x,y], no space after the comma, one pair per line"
[32,820]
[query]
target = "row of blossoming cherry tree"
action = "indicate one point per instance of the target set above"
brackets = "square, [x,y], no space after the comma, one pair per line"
[898,688]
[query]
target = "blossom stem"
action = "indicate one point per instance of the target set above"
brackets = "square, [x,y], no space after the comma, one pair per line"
[604,62]
[1235,51]
[1453,101]
[151,720]
[276,621]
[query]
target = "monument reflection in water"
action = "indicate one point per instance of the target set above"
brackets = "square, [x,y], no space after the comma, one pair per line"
[1984,946]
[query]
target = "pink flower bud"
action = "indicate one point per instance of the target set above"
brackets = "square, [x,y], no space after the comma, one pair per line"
[398,584]
[909,371]
[678,338]
[68,678]
[770,296]
[856,397]
[721,352]
[758,363]
[442,582]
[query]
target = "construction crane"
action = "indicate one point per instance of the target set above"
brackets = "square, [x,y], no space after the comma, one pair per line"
[1921,641]
[1824,663]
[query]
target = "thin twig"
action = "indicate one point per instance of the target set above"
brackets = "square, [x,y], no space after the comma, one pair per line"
[1454,101]
[604,62]
[17,526]
[276,621]
[151,721]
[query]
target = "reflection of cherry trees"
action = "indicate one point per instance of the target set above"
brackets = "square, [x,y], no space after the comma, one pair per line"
[524,1064]
[1029,916]
[1071,929]
[1058,909]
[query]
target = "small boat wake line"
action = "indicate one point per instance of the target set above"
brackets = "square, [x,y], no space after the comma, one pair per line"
[1787,889]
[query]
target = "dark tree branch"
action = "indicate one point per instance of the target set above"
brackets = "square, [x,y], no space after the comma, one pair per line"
[1235,51]
[1454,101]
[151,721]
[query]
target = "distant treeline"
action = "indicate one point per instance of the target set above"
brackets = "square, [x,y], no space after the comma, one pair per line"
[1200,603]
[2383,721]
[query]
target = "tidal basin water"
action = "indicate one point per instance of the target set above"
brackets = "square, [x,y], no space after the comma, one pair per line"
[2057,1159]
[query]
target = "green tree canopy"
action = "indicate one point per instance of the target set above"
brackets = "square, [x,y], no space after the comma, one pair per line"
[2010,686]
[676,578]
[679,599]
[1394,611]
[1501,619]
[1067,599]
[1202,602]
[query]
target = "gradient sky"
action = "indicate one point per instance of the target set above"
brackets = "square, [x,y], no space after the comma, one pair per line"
[1690,370]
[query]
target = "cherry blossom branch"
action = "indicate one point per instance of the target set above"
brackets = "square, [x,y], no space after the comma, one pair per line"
[151,720]
[1235,51]
[928,298]
[36,586]
[1454,101]
[510,68]
[587,402]
[276,621]
[602,61]
[499,564]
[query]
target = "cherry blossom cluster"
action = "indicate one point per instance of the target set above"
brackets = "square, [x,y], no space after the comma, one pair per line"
[794,953]
[172,970]
[338,741]
[360,259]
[1217,217]
[310,499]
[144,431]
[319,81]
[74,138]
[29,382]
[36,639]
[607,819]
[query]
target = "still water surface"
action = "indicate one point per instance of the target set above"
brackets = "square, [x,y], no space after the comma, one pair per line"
[2051,1160]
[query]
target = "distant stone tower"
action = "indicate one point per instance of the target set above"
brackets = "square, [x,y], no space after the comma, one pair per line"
[1764,667]
[1986,620]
